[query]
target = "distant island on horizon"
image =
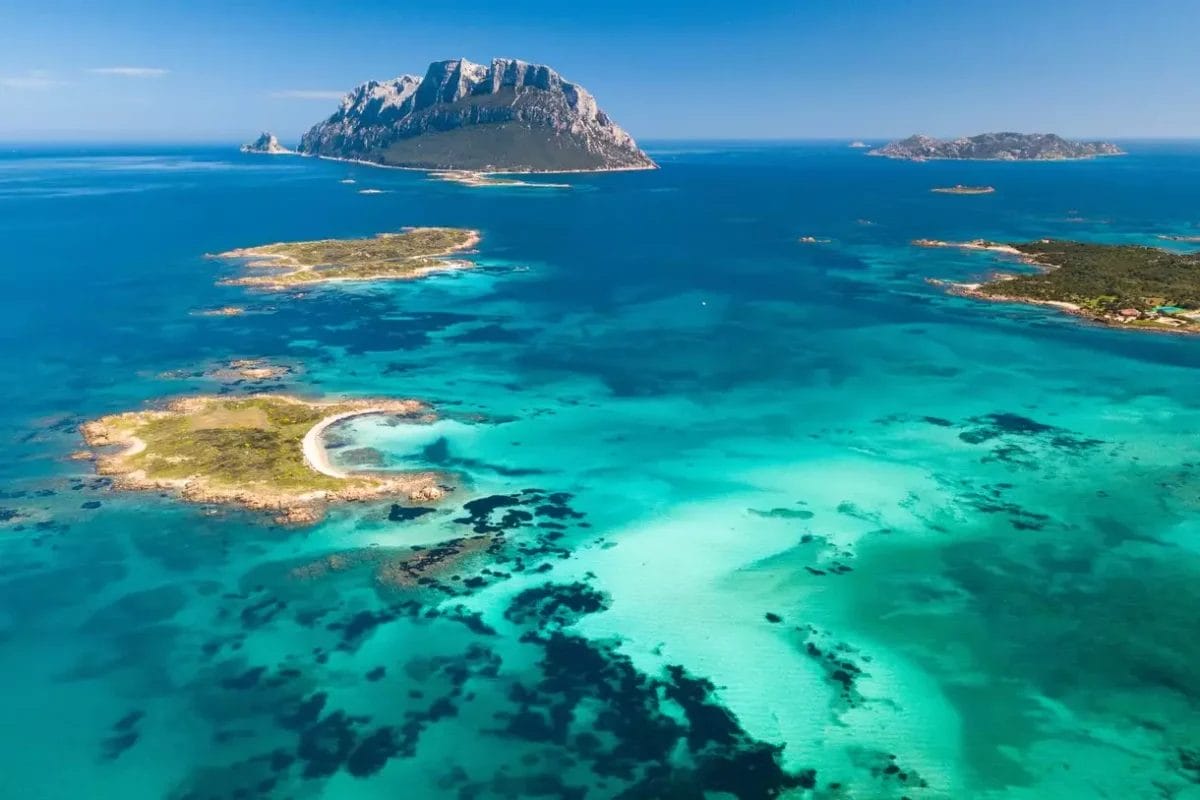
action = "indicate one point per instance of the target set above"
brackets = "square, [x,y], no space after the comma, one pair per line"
[959,188]
[1005,146]
[267,144]
[509,116]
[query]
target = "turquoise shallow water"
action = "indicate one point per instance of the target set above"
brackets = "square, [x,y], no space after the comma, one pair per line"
[737,516]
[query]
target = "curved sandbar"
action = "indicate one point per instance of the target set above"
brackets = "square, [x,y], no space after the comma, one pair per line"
[413,253]
[313,445]
[485,179]
[259,452]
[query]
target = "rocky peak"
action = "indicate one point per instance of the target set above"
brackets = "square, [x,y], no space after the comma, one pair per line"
[510,72]
[534,120]
[449,82]
[375,96]
[265,143]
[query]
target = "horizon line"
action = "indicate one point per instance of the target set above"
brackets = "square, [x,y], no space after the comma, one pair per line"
[238,141]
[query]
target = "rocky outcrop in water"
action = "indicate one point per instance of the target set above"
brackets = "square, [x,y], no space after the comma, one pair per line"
[510,116]
[997,147]
[265,143]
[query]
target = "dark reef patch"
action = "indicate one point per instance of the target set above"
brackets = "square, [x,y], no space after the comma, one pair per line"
[555,604]
[783,513]
[990,501]
[593,702]
[480,514]
[361,457]
[147,607]
[993,426]
[373,752]
[505,512]
[838,660]
[122,736]
[399,513]
[325,746]
[438,454]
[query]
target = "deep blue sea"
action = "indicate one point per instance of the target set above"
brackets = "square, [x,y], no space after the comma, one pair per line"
[751,517]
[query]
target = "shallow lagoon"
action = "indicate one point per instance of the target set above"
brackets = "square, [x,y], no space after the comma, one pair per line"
[749,507]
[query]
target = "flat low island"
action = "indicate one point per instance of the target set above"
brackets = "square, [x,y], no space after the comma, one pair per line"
[1148,288]
[958,188]
[261,452]
[413,253]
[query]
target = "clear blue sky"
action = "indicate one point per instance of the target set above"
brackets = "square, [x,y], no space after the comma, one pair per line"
[171,70]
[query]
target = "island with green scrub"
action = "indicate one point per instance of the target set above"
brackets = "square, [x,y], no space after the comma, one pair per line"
[260,452]
[413,253]
[1128,285]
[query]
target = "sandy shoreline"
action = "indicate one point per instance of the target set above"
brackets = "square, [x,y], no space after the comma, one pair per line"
[974,244]
[313,445]
[971,290]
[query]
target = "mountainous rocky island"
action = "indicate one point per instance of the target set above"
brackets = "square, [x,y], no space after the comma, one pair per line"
[509,116]
[1117,284]
[265,143]
[996,147]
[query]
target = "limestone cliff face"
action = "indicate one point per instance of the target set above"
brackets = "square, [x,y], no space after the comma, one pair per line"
[997,147]
[508,116]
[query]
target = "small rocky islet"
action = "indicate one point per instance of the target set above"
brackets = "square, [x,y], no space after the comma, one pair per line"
[266,144]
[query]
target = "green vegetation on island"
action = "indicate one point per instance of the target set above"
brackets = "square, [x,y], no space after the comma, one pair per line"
[387,256]
[258,451]
[1132,285]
